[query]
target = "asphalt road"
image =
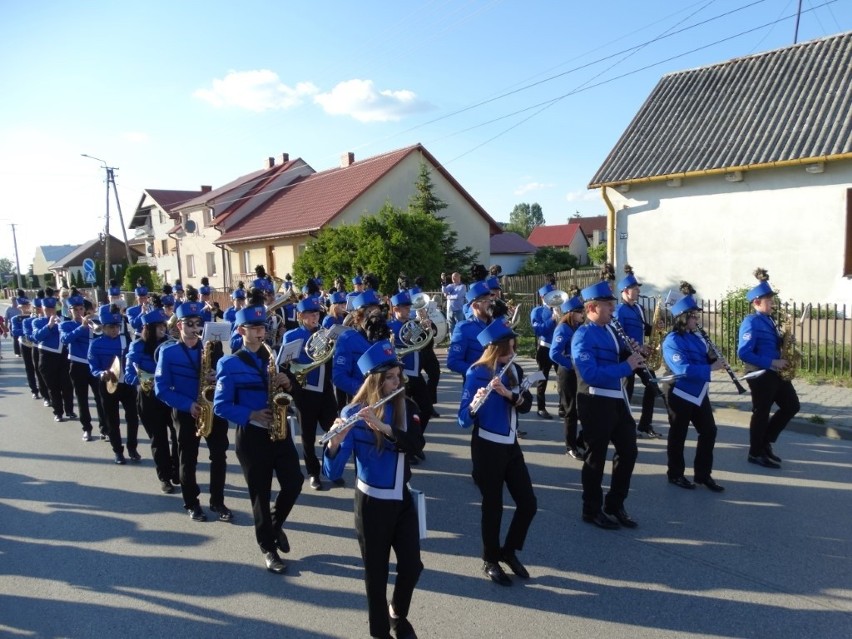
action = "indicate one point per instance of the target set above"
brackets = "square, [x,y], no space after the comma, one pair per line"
[90,549]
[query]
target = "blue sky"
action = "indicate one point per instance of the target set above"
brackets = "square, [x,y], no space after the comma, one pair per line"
[521,101]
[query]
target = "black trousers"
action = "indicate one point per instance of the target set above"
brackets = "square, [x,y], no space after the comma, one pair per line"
[82,381]
[29,368]
[383,524]
[432,368]
[315,409]
[16,346]
[681,413]
[605,420]
[649,395]
[125,395]
[417,389]
[568,392]
[55,371]
[542,358]
[188,443]
[260,458]
[493,466]
[35,352]
[157,420]
[766,390]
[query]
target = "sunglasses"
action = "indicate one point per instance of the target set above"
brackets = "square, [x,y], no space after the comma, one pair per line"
[194,323]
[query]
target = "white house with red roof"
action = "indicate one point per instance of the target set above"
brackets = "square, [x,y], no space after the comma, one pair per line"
[510,251]
[562,236]
[278,230]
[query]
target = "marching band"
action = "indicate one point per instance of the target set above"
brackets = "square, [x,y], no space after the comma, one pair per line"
[368,379]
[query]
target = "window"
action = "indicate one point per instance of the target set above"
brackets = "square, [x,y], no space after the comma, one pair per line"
[211,264]
[164,247]
[246,261]
[166,277]
[162,216]
[190,266]
[208,217]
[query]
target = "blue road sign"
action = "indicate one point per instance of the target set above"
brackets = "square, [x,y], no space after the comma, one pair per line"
[89,267]
[90,277]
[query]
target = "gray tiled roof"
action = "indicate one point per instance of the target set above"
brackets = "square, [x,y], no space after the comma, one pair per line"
[790,104]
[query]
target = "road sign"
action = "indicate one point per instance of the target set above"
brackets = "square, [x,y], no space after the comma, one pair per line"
[89,267]
[90,277]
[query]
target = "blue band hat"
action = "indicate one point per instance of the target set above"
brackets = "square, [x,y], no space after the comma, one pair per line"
[37,302]
[380,357]
[141,290]
[496,331]
[357,280]
[367,298]
[685,304]
[573,304]
[544,290]
[189,309]
[308,305]
[599,291]
[76,300]
[493,283]
[204,290]
[108,318]
[263,284]
[414,290]
[401,299]
[251,315]
[628,281]
[157,316]
[24,301]
[760,290]
[49,302]
[337,298]
[167,300]
[178,287]
[477,290]
[114,291]
[238,294]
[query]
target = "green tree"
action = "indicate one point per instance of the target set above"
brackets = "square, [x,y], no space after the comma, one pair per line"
[424,198]
[524,218]
[597,254]
[148,275]
[549,260]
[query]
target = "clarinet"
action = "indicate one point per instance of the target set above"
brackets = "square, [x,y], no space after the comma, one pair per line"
[645,374]
[721,358]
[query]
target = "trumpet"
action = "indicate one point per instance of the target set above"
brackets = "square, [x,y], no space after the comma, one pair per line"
[354,419]
[477,403]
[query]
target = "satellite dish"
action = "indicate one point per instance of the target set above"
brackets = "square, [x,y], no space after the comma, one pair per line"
[189,226]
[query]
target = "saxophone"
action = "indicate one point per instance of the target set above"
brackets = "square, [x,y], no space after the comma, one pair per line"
[789,350]
[279,402]
[655,340]
[204,421]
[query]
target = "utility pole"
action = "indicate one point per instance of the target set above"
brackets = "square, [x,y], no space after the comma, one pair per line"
[798,17]
[17,261]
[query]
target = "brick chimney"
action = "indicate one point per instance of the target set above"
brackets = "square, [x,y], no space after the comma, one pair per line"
[347,159]
[270,162]
[284,158]
[205,188]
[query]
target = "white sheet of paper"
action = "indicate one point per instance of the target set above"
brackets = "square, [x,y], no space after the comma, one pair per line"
[289,352]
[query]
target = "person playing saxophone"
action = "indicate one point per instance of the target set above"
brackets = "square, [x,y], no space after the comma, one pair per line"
[759,347]
[243,398]
[177,383]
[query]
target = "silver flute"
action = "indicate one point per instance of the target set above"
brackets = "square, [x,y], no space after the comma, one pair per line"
[477,403]
[354,419]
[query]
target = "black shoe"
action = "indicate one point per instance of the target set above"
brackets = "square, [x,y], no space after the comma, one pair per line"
[573,452]
[339,481]
[224,512]
[176,480]
[58,418]
[47,402]
[542,412]
[281,541]
[561,413]
[511,559]
[104,437]
[119,459]
[495,572]
[274,563]
[316,484]
[435,414]
[36,396]
[771,454]
[87,436]
[711,484]
[196,513]
[412,459]
[521,433]
[402,628]
[601,521]
[681,482]
[166,487]
[648,433]
[71,415]
[621,515]
[420,455]
[763,460]
[134,456]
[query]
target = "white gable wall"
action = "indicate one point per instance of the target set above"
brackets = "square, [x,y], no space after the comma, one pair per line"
[714,233]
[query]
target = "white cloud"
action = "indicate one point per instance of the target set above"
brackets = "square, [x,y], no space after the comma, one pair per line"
[136,136]
[360,100]
[260,90]
[583,195]
[533,186]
